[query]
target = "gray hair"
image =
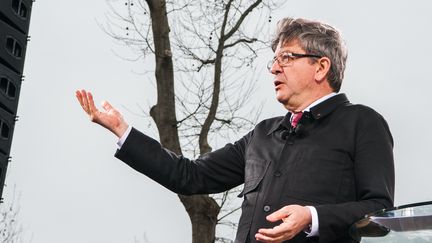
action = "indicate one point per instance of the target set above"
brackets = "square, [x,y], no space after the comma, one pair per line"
[318,39]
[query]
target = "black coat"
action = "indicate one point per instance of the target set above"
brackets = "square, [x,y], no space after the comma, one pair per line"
[338,159]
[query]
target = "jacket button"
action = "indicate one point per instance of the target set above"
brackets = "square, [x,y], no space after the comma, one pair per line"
[266,208]
[277,174]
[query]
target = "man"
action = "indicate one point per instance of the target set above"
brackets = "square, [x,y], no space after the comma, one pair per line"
[307,176]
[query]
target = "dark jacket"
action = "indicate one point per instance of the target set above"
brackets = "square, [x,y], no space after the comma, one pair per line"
[338,159]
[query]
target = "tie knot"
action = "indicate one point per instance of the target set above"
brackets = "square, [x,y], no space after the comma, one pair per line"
[296,118]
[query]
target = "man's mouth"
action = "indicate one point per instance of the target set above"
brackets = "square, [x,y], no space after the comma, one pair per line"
[277,83]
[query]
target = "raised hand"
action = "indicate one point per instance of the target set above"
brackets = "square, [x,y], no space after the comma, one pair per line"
[110,118]
[295,218]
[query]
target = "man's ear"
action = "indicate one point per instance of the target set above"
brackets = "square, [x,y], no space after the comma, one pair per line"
[322,68]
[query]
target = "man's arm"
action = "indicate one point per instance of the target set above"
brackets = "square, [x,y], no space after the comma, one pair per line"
[213,172]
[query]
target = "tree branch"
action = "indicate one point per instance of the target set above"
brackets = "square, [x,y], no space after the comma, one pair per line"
[240,41]
[229,213]
[241,19]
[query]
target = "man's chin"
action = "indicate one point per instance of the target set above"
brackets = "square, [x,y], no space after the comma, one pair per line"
[285,102]
[282,100]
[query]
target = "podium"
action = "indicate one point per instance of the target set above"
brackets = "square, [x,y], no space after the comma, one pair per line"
[406,223]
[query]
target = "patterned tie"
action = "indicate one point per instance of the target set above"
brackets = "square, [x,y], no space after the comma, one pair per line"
[296,118]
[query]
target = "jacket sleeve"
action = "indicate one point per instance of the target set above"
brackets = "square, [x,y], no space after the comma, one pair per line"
[374,179]
[213,172]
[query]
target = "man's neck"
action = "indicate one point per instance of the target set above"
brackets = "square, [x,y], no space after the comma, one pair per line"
[316,102]
[305,106]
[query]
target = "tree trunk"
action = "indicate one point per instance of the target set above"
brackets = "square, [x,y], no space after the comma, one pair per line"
[202,209]
[163,113]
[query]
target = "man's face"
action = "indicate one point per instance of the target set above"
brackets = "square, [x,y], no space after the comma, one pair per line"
[295,82]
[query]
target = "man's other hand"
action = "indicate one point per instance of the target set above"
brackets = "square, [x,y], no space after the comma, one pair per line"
[110,118]
[295,218]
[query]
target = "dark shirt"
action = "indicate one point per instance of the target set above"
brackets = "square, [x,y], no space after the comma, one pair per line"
[338,159]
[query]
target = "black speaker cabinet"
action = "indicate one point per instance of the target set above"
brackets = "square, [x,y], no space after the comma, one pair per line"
[7,124]
[14,27]
[12,47]
[4,159]
[16,13]
[10,85]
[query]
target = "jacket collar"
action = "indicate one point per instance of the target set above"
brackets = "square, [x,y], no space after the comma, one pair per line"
[316,112]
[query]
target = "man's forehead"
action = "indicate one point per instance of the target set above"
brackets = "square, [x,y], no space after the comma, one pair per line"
[290,46]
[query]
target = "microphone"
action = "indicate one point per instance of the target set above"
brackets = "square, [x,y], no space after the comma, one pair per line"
[293,131]
[298,130]
[285,133]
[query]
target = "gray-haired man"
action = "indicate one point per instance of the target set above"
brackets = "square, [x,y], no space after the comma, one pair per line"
[308,175]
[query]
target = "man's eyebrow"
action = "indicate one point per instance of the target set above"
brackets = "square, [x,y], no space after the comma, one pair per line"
[283,51]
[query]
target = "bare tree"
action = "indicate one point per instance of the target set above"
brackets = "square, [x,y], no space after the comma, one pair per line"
[10,229]
[214,44]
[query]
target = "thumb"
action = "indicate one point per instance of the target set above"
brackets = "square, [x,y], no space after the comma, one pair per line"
[278,215]
[106,105]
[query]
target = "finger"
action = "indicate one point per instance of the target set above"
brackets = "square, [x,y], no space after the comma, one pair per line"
[91,106]
[267,239]
[79,97]
[106,105]
[84,100]
[275,231]
[278,215]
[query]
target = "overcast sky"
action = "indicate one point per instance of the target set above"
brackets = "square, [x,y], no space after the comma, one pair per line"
[73,189]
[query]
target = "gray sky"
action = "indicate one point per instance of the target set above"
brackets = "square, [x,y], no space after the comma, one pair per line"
[73,189]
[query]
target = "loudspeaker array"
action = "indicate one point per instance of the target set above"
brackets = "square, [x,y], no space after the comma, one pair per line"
[14,28]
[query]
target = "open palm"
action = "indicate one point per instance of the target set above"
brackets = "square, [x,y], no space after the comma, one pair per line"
[109,118]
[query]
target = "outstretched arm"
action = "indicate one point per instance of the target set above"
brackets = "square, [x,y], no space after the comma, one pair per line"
[110,118]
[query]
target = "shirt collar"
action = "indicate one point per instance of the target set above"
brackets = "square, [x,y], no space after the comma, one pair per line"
[316,102]
[317,110]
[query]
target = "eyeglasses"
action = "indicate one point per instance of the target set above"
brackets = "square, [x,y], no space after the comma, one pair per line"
[286,58]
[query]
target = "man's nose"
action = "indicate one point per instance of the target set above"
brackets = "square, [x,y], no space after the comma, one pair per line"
[276,68]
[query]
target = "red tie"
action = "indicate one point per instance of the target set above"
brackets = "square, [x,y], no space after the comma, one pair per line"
[296,118]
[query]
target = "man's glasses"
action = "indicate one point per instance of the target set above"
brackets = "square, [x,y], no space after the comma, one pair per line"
[286,58]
